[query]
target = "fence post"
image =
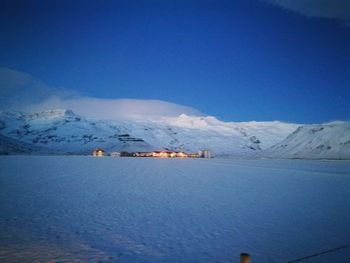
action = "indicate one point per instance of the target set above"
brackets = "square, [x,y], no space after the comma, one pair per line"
[245,258]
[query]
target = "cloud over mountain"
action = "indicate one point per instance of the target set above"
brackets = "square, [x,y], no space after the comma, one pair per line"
[115,108]
[21,91]
[18,89]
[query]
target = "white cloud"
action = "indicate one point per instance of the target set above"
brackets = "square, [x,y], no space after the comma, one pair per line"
[337,9]
[21,91]
[115,108]
[19,88]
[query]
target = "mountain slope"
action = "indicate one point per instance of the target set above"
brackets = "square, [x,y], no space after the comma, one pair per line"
[66,132]
[63,131]
[12,146]
[322,141]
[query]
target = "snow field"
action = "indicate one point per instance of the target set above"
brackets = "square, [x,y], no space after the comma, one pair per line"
[172,210]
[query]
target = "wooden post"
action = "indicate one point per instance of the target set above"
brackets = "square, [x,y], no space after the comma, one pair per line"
[245,258]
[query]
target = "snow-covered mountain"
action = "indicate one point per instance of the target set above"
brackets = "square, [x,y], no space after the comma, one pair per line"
[62,131]
[322,141]
[11,146]
[66,132]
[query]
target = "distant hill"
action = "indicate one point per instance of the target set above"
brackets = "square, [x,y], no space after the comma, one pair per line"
[322,141]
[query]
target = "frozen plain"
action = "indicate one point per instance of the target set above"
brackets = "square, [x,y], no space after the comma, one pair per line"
[85,209]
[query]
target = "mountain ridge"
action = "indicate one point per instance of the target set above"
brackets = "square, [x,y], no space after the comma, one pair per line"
[63,131]
[315,141]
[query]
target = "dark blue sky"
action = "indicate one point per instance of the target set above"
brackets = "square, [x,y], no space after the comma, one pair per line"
[237,60]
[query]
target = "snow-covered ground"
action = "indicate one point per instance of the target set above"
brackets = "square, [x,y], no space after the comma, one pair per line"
[172,210]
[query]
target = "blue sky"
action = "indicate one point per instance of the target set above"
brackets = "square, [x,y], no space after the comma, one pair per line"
[237,60]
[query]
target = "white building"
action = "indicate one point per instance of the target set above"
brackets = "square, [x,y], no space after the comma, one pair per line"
[205,154]
[115,154]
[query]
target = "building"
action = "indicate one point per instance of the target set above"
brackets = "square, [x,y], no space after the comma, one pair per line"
[144,154]
[204,154]
[160,154]
[169,154]
[157,154]
[193,155]
[115,154]
[181,154]
[98,152]
[127,154]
